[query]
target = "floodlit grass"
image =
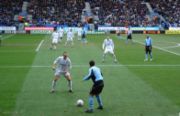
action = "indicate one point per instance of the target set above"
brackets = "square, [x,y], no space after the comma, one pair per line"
[132,87]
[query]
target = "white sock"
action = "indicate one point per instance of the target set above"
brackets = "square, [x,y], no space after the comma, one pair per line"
[70,85]
[53,84]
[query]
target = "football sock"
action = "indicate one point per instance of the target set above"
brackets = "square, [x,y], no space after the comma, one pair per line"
[53,84]
[91,102]
[151,55]
[114,57]
[70,85]
[146,56]
[99,100]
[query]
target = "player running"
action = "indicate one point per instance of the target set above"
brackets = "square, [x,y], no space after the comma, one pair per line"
[148,48]
[70,36]
[108,47]
[97,78]
[62,66]
[54,37]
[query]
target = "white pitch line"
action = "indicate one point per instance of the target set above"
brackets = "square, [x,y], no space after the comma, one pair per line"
[39,46]
[172,46]
[79,66]
[6,37]
[160,48]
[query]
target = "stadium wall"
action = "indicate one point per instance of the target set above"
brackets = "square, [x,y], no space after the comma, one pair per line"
[8,29]
[104,29]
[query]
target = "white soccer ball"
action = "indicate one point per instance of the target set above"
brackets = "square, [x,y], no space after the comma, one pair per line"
[80,103]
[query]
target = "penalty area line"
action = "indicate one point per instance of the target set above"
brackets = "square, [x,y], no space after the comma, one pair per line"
[39,46]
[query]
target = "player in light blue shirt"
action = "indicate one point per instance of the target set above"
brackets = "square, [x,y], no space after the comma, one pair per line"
[97,78]
[148,48]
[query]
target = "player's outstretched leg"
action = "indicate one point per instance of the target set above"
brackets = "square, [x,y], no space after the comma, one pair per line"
[114,56]
[70,86]
[91,104]
[69,79]
[53,86]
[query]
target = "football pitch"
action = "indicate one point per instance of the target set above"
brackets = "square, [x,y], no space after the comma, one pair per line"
[132,87]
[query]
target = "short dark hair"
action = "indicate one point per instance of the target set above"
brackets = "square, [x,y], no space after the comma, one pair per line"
[92,63]
[55,28]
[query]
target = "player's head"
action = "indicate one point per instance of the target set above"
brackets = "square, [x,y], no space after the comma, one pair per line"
[147,37]
[55,29]
[91,63]
[65,54]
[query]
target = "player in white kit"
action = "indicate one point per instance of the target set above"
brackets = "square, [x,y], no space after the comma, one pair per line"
[61,33]
[108,47]
[70,36]
[79,33]
[54,37]
[62,66]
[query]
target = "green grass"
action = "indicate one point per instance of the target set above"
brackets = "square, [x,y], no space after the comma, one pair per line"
[132,87]
[14,52]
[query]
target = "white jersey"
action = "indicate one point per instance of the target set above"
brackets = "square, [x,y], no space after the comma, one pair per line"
[108,43]
[61,32]
[55,37]
[70,36]
[62,65]
[79,32]
[108,46]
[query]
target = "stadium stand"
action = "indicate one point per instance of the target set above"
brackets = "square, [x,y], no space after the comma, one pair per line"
[169,9]
[121,13]
[7,11]
[104,12]
[47,12]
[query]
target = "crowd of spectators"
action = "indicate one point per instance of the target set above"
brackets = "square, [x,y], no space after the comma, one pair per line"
[122,13]
[64,12]
[107,12]
[169,9]
[8,9]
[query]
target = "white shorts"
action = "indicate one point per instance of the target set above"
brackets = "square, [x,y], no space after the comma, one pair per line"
[59,73]
[79,34]
[108,50]
[60,35]
[69,39]
[54,41]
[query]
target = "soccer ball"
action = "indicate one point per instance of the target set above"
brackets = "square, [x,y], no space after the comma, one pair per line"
[79,103]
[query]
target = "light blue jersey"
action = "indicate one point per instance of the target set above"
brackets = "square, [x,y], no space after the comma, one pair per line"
[94,73]
[148,41]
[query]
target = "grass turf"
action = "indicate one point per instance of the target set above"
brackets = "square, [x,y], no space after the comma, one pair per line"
[130,89]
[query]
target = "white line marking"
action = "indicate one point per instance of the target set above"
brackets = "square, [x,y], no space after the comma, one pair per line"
[172,46]
[160,48]
[17,51]
[6,37]
[39,46]
[78,66]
